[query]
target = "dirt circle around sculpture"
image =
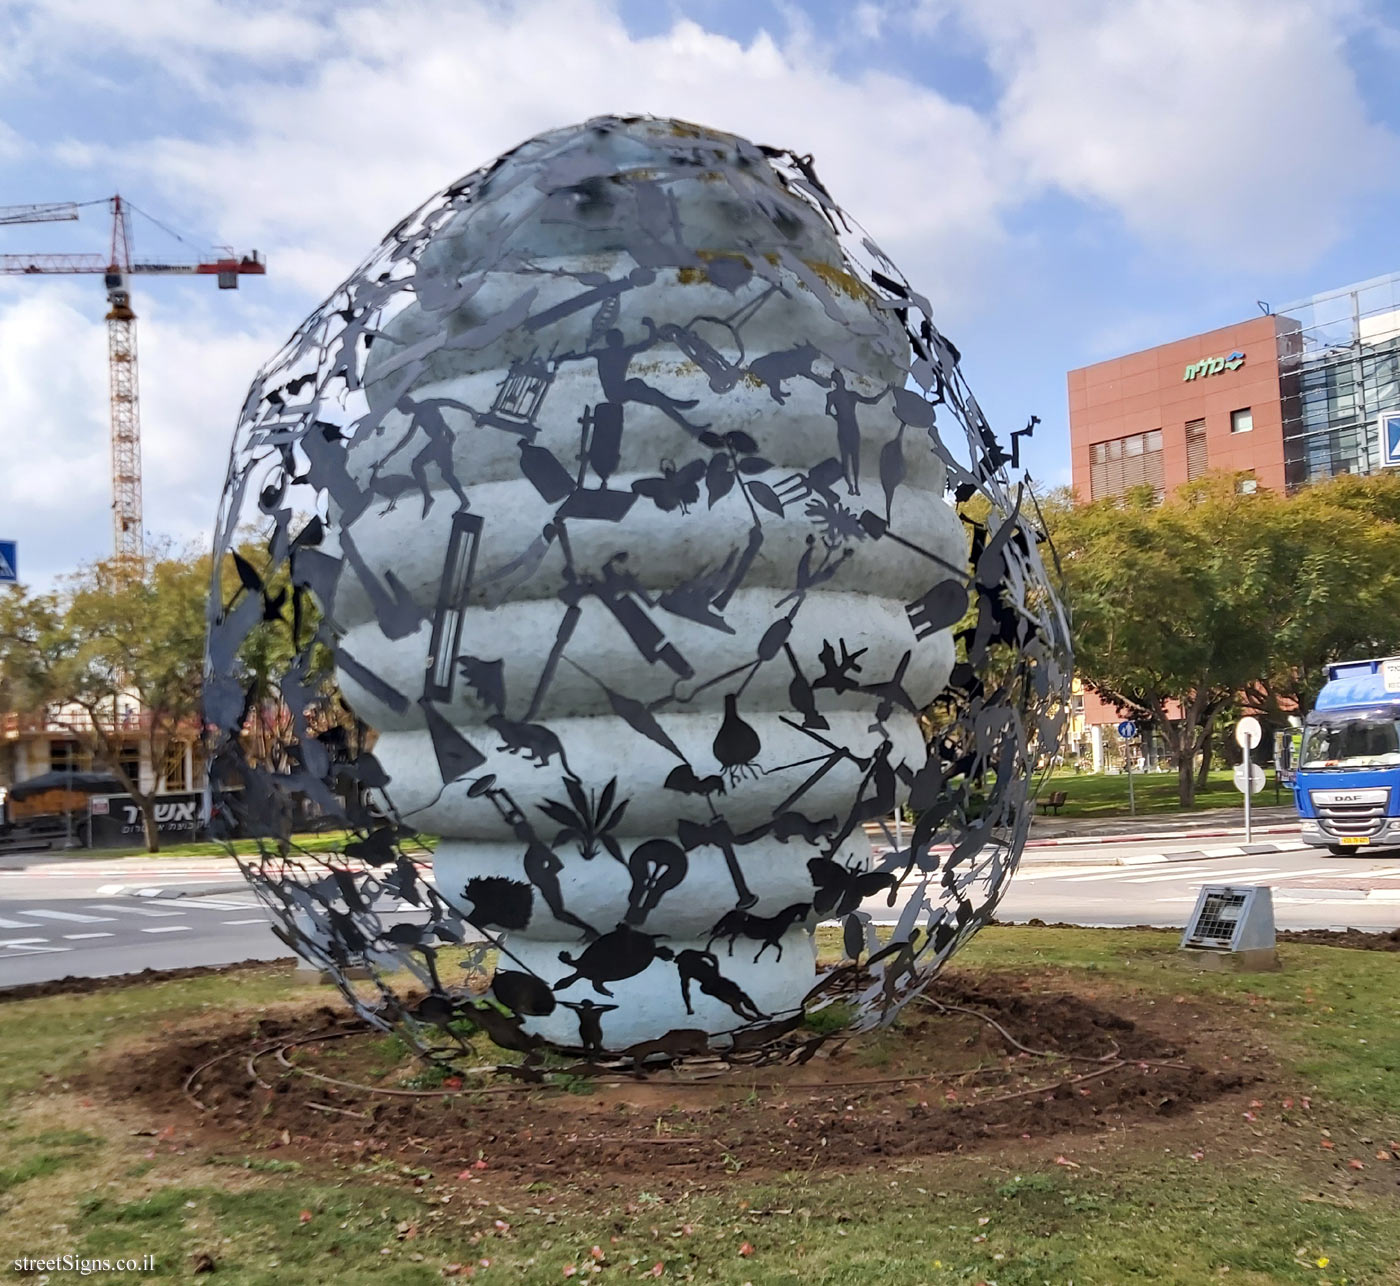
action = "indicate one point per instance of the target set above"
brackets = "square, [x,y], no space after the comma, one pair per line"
[978,1065]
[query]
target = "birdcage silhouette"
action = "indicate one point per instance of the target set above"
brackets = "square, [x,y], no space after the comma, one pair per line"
[519,395]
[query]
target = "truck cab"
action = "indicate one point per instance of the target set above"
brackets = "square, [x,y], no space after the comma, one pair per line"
[1347,784]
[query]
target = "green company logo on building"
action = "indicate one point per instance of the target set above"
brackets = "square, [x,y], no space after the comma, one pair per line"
[1214,365]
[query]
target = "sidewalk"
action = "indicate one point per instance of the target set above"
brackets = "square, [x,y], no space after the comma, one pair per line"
[1219,821]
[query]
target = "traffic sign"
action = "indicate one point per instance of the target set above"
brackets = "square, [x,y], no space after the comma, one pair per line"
[1256,778]
[1127,730]
[1248,733]
[9,566]
[1389,425]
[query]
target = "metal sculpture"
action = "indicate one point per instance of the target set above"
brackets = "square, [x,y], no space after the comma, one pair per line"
[625,521]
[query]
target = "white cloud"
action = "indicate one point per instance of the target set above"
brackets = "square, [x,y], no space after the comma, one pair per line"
[1235,128]
[55,496]
[55,486]
[410,97]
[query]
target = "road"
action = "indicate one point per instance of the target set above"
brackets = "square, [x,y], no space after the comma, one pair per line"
[85,918]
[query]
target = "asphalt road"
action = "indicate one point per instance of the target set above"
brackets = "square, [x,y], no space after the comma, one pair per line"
[61,918]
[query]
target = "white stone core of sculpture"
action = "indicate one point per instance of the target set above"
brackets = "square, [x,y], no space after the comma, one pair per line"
[864,604]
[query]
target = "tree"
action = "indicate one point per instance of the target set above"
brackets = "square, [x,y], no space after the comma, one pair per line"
[1214,598]
[1335,584]
[114,653]
[1164,606]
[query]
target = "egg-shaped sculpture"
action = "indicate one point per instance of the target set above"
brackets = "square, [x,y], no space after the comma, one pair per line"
[633,545]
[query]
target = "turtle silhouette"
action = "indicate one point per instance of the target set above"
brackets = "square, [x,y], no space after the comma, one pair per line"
[623,953]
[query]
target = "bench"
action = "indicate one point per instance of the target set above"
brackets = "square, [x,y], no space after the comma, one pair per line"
[1054,801]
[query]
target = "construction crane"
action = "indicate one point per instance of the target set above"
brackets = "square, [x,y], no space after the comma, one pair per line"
[116,268]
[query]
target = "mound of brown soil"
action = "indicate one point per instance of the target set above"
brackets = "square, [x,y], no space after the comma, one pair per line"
[955,1074]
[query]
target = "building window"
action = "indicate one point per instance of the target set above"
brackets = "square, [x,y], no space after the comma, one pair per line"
[1196,465]
[1134,461]
[1242,421]
[67,756]
[175,768]
[1247,486]
[129,760]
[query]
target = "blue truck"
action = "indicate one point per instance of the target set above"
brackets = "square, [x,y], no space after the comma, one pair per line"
[1347,784]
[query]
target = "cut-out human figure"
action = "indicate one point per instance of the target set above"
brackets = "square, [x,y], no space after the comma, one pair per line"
[702,968]
[841,405]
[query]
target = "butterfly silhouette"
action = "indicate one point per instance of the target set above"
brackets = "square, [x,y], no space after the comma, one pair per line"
[841,889]
[675,488]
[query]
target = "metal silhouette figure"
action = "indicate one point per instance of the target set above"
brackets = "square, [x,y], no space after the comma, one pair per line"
[614,357]
[623,953]
[841,405]
[590,1023]
[702,968]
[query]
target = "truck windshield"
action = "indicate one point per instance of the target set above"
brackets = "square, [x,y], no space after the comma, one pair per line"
[1351,742]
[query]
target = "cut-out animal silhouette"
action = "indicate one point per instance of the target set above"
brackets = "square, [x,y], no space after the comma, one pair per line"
[788,363]
[767,930]
[499,903]
[623,953]
[673,1045]
[682,778]
[840,889]
[523,993]
[532,740]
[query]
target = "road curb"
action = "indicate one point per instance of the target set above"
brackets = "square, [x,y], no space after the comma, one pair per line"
[1157,859]
[1148,836]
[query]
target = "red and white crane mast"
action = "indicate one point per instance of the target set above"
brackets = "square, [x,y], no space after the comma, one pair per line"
[117,268]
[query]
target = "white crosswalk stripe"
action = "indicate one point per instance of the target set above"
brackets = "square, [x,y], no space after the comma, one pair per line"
[131,910]
[74,916]
[1028,873]
[14,924]
[1210,875]
[74,937]
[1179,871]
[170,928]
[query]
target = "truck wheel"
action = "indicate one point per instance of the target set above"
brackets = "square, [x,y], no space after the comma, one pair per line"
[1338,851]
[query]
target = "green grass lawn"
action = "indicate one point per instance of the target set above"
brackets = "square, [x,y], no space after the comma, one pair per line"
[1264,1202]
[1106,794]
[325,842]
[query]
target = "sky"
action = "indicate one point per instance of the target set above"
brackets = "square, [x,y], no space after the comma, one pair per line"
[1066,180]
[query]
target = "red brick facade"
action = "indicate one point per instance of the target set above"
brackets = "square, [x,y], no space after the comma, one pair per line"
[1149,391]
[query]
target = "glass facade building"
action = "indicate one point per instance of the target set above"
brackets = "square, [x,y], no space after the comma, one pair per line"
[1339,369]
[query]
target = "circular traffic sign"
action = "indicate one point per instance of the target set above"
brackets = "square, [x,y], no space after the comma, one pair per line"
[1256,778]
[1127,729]
[1248,732]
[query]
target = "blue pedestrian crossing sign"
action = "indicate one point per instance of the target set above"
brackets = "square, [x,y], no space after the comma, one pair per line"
[1390,439]
[9,567]
[1127,730]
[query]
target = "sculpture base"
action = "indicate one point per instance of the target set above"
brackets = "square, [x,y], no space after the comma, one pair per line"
[700,991]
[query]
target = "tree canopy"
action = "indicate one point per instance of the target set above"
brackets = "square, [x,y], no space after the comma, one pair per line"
[113,656]
[1182,608]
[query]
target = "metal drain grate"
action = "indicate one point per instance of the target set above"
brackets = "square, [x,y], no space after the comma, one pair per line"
[1231,918]
[1219,917]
